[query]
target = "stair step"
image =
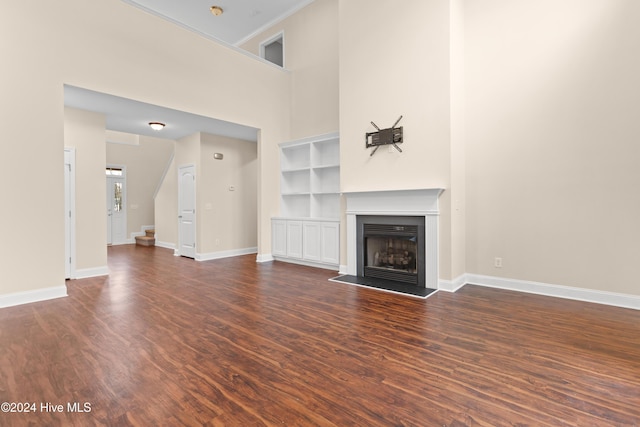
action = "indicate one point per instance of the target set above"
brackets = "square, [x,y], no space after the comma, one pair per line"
[150,233]
[145,241]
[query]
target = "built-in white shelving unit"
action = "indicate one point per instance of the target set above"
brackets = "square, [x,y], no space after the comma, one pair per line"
[310,177]
[308,229]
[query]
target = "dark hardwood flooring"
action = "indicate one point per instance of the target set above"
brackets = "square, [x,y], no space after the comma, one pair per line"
[170,341]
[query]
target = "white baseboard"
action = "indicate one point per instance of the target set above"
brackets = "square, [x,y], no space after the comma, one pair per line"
[307,263]
[264,258]
[342,269]
[558,291]
[85,273]
[166,245]
[452,285]
[225,254]
[27,297]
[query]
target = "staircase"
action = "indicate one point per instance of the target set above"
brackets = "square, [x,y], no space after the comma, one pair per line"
[148,240]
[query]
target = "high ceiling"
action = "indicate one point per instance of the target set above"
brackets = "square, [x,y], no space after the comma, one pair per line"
[240,20]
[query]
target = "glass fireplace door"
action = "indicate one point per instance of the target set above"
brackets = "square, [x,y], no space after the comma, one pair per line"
[387,253]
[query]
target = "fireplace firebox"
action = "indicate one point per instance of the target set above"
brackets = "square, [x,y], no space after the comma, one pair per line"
[391,248]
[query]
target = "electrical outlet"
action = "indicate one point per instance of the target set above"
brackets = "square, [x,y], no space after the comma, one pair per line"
[497,262]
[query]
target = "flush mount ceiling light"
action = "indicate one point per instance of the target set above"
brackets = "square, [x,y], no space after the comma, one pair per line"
[156,125]
[216,10]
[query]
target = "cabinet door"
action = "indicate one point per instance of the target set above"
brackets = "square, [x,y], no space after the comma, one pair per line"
[294,239]
[330,242]
[279,236]
[311,240]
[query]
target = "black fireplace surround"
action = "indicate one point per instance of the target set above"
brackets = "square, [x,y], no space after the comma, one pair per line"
[391,248]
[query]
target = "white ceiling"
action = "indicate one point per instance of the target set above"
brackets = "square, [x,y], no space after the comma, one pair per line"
[241,20]
[130,116]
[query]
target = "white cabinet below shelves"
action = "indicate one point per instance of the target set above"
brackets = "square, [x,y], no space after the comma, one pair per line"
[311,242]
[279,238]
[294,239]
[330,243]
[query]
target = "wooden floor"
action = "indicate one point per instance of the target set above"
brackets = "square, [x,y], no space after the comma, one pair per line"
[166,340]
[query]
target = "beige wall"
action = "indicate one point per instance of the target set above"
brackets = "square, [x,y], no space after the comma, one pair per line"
[412,80]
[552,136]
[145,164]
[458,189]
[530,132]
[82,47]
[84,131]
[311,56]
[311,61]
[228,219]
[26,97]
[385,74]
[166,209]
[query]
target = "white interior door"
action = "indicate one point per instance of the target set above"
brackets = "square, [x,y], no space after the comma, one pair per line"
[187,211]
[116,211]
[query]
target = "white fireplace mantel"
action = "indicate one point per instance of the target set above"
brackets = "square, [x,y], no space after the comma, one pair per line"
[420,202]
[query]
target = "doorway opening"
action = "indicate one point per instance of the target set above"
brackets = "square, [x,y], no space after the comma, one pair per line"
[272,49]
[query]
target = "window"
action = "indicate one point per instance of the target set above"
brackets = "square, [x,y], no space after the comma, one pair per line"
[114,172]
[117,197]
[273,49]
